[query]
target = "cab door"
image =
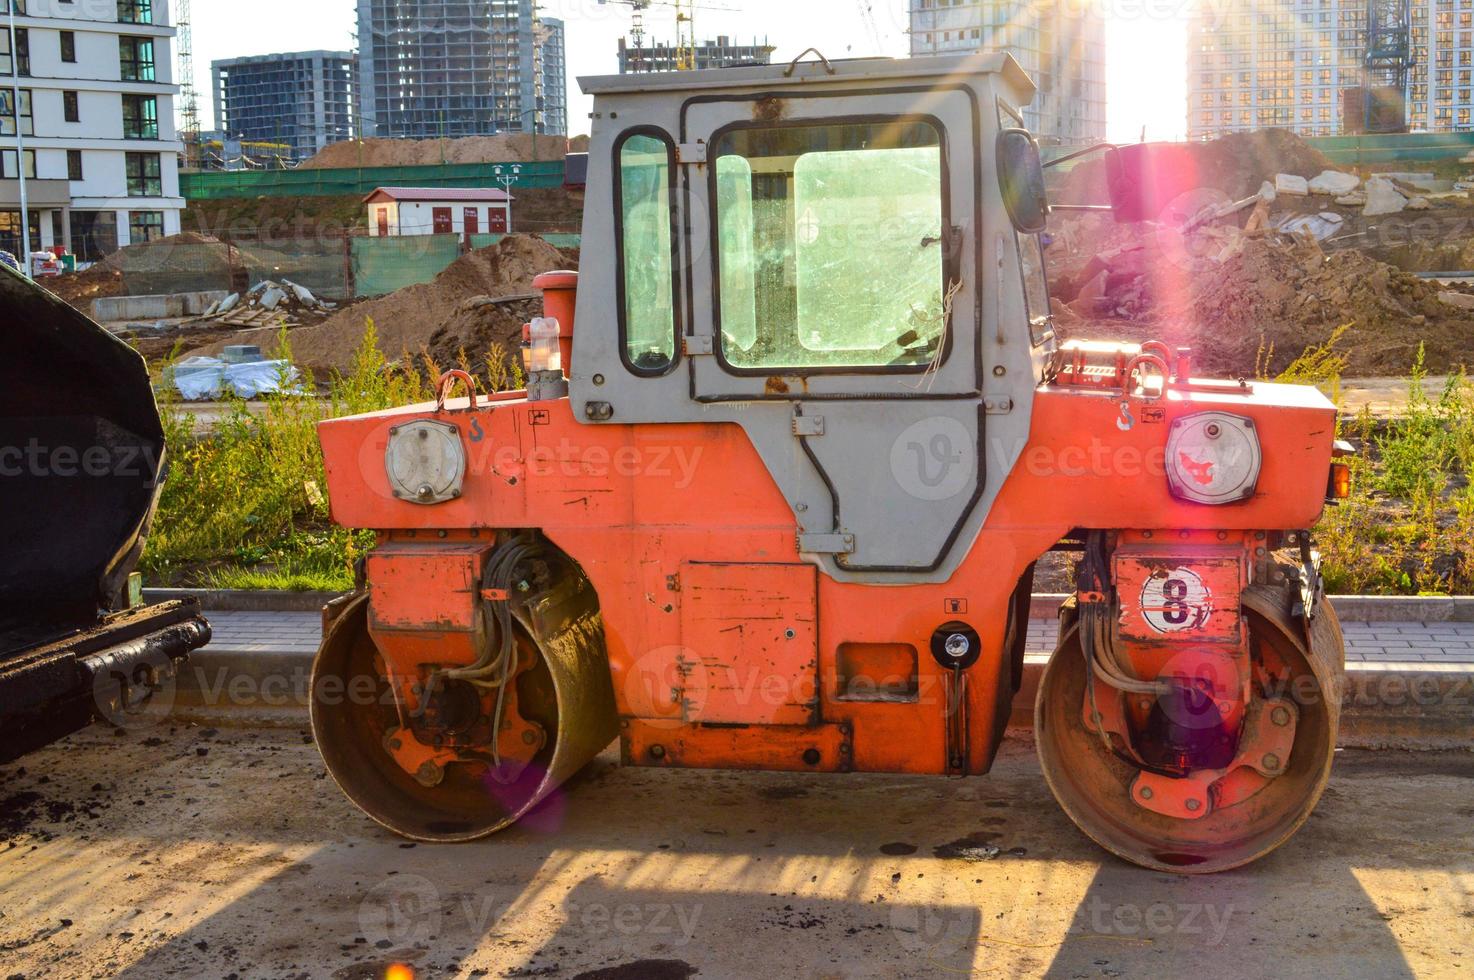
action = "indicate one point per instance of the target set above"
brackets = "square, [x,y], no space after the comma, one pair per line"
[834,303]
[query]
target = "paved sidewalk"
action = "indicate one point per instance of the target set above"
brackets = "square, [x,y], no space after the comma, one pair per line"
[293,633]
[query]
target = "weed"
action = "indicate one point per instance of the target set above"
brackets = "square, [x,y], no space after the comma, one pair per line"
[244,504]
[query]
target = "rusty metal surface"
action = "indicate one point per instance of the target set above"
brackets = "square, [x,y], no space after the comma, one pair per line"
[1093,783]
[776,748]
[570,699]
[752,634]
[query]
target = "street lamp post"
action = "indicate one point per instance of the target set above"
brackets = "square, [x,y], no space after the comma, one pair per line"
[20,148]
[507,177]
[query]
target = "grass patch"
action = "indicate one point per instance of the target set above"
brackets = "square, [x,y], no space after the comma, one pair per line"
[245,505]
[1408,526]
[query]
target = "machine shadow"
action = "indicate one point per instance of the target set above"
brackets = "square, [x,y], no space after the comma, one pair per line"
[669,872]
[1303,904]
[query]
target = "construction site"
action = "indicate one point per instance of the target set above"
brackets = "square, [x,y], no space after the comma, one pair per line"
[808,526]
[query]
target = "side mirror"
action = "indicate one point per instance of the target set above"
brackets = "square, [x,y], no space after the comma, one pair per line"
[1021,178]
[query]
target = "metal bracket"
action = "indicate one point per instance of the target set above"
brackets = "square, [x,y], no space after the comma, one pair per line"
[808,425]
[835,543]
[696,345]
[997,404]
[689,153]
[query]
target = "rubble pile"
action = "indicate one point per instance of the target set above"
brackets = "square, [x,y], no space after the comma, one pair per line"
[1237,295]
[1273,252]
[269,303]
[482,298]
[1235,165]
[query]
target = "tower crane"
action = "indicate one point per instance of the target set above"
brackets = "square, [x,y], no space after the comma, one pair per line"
[1386,65]
[188,95]
[685,42]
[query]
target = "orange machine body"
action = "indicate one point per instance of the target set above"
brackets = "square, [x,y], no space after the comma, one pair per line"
[725,648]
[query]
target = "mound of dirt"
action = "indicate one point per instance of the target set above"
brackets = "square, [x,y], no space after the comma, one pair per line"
[1235,165]
[439,317]
[79,289]
[105,277]
[507,148]
[1235,296]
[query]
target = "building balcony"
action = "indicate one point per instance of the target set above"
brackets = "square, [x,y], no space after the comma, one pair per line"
[40,194]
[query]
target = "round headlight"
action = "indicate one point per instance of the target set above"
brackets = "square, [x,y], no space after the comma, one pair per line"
[1213,458]
[425,461]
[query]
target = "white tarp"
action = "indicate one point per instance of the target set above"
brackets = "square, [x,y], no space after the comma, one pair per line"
[209,377]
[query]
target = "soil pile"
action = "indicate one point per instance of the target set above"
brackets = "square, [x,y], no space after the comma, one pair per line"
[439,317]
[1236,165]
[79,289]
[507,148]
[1233,296]
[105,277]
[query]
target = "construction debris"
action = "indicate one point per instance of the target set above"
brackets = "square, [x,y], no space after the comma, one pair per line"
[1246,299]
[1291,184]
[478,302]
[1334,183]
[270,303]
[1318,226]
[1383,197]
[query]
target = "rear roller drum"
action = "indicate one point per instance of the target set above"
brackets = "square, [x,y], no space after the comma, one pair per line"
[564,716]
[1258,811]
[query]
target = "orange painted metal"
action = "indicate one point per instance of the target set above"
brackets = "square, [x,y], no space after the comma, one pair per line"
[559,291]
[784,748]
[640,507]
[753,639]
[424,602]
[1264,753]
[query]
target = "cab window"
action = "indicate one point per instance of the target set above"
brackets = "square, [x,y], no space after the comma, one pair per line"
[1036,288]
[829,246]
[1031,258]
[646,261]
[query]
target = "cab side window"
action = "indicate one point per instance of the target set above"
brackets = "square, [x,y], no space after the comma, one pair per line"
[643,193]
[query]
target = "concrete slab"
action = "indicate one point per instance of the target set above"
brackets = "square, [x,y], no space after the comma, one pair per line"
[107,309]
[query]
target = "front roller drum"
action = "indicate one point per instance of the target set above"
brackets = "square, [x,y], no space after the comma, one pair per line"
[1093,783]
[567,692]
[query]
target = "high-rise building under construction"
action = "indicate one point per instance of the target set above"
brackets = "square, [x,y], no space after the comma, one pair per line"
[1060,43]
[450,68]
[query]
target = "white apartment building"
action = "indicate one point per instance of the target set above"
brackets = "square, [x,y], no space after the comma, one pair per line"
[1060,43]
[96,119]
[1252,65]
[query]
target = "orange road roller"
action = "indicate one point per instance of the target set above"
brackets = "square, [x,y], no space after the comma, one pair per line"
[792,443]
